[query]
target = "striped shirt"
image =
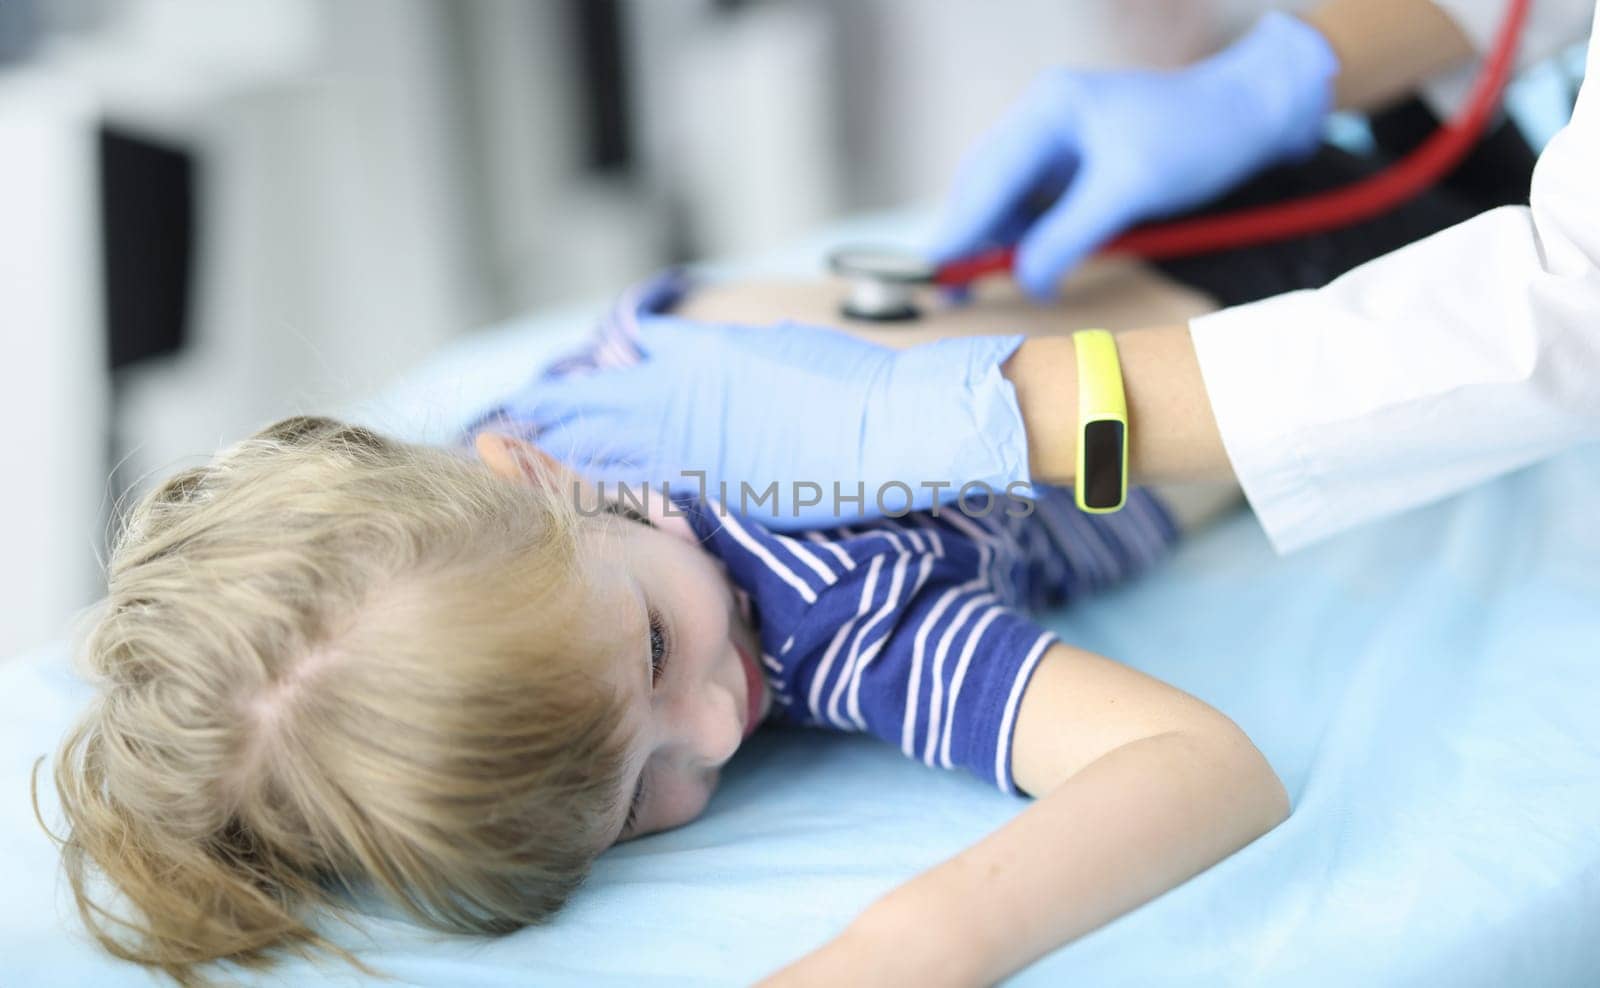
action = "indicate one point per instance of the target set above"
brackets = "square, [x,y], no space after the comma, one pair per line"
[915,629]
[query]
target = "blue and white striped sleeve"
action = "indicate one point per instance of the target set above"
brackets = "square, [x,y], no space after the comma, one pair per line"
[897,629]
[1069,553]
[914,644]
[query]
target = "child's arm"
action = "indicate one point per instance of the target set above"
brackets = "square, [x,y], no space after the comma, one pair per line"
[1140,787]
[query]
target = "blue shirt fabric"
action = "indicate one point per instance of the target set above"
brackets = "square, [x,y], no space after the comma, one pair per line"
[914,628]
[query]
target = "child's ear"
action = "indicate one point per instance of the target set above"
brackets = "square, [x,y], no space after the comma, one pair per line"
[515,459]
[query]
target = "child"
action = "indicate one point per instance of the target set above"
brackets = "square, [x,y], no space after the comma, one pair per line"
[332,659]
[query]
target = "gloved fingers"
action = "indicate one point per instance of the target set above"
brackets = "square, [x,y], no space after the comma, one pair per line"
[592,443]
[728,354]
[1090,212]
[674,336]
[613,393]
[999,180]
[1016,225]
[665,337]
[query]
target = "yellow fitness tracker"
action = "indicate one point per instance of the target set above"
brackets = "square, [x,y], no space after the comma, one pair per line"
[1102,484]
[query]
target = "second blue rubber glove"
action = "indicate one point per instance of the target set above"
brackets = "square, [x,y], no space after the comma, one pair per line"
[790,405]
[1115,148]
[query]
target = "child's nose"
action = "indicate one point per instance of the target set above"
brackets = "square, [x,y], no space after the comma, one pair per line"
[719,730]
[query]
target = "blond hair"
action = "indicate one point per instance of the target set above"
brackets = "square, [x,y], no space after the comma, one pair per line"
[330,660]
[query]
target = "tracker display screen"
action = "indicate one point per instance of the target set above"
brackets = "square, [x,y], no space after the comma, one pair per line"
[1102,464]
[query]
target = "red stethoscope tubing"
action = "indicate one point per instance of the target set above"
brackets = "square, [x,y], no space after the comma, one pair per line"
[1330,210]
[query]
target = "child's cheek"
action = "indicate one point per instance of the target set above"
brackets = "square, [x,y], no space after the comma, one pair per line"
[678,801]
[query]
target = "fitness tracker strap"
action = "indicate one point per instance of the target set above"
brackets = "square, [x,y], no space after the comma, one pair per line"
[1102,481]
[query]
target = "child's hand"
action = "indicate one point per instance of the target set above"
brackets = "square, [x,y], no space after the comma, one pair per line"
[800,408]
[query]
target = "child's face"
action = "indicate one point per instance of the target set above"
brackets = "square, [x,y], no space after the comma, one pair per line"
[676,647]
[684,660]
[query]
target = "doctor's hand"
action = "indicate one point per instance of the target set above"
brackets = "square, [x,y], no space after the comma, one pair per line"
[802,407]
[1114,148]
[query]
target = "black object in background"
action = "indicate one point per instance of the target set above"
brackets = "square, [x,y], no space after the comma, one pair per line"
[147,212]
[1496,172]
[605,83]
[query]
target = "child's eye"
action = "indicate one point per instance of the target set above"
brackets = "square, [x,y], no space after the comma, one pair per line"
[659,646]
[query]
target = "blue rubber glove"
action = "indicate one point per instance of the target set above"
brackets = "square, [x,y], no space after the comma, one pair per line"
[795,405]
[1115,148]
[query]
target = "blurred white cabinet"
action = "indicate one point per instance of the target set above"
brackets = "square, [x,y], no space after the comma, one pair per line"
[333,248]
[52,377]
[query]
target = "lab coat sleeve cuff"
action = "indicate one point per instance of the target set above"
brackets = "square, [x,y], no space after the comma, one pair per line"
[1256,375]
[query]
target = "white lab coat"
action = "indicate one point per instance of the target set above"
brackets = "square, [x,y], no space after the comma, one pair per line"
[1453,360]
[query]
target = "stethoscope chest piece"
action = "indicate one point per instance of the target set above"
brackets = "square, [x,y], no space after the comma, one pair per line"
[882,282]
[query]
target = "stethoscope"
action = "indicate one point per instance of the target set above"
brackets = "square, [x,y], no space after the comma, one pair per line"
[882,282]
